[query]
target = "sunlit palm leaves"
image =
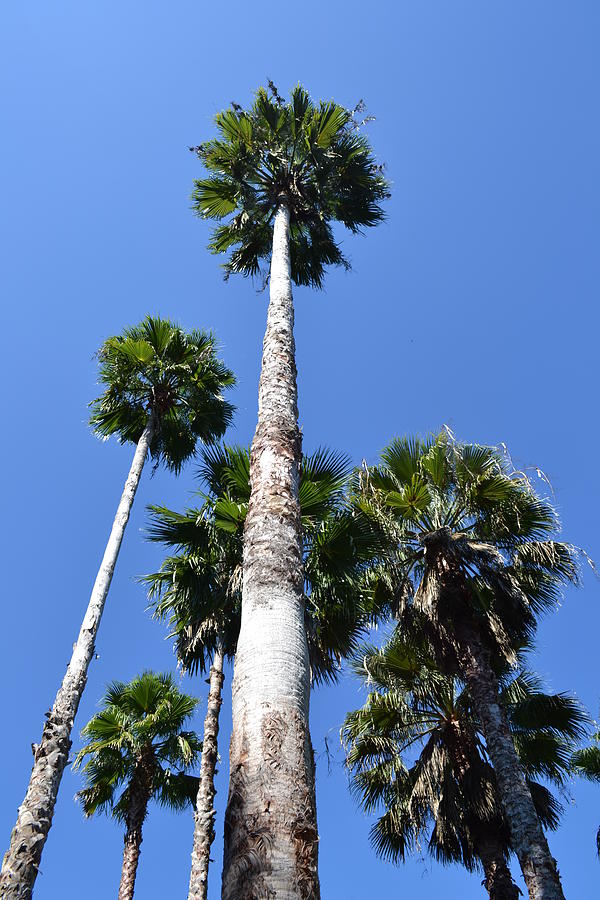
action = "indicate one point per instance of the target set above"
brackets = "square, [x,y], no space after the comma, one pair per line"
[157,369]
[471,539]
[310,154]
[144,718]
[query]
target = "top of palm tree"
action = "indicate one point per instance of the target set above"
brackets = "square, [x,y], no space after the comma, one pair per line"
[198,589]
[460,515]
[307,155]
[157,369]
[142,718]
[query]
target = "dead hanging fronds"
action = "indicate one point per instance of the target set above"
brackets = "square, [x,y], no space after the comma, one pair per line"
[516,472]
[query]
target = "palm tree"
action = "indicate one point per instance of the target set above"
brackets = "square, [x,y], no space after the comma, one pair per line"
[199,590]
[449,790]
[475,563]
[137,750]
[586,762]
[282,173]
[163,394]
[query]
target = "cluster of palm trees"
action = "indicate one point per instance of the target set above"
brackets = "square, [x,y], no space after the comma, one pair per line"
[287,562]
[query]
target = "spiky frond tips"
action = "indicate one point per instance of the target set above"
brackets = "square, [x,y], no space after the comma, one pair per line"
[470,540]
[309,155]
[157,369]
[141,722]
[418,759]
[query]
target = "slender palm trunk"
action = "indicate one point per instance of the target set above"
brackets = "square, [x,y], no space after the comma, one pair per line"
[204,818]
[270,824]
[22,859]
[498,880]
[140,791]
[528,839]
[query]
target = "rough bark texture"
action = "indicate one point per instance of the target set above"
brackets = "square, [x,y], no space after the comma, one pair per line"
[140,791]
[22,859]
[270,825]
[204,818]
[498,880]
[528,840]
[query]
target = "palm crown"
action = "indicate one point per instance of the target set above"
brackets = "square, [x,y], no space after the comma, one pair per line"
[309,156]
[471,541]
[141,724]
[418,755]
[199,589]
[157,369]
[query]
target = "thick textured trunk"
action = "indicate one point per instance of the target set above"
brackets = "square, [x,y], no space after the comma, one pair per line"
[204,818]
[22,859]
[528,840]
[498,880]
[140,791]
[270,824]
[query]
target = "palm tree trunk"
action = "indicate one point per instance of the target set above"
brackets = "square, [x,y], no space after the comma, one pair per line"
[140,791]
[528,839]
[22,859]
[270,824]
[204,818]
[498,880]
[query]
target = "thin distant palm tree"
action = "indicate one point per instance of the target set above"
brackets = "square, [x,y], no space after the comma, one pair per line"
[417,754]
[586,762]
[163,394]
[199,590]
[137,750]
[281,174]
[475,561]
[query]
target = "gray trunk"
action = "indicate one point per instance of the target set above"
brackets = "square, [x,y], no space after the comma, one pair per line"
[204,818]
[270,824]
[528,839]
[22,859]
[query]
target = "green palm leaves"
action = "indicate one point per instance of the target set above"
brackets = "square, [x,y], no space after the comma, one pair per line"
[586,762]
[157,369]
[472,539]
[199,589]
[310,156]
[141,721]
[418,756]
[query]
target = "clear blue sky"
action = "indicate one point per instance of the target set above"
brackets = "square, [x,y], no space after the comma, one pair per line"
[473,305]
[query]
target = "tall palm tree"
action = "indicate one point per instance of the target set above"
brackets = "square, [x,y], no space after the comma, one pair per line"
[137,750]
[586,762]
[163,393]
[282,173]
[417,753]
[199,590]
[476,561]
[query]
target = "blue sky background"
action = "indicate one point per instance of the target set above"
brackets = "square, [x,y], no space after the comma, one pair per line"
[473,305]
